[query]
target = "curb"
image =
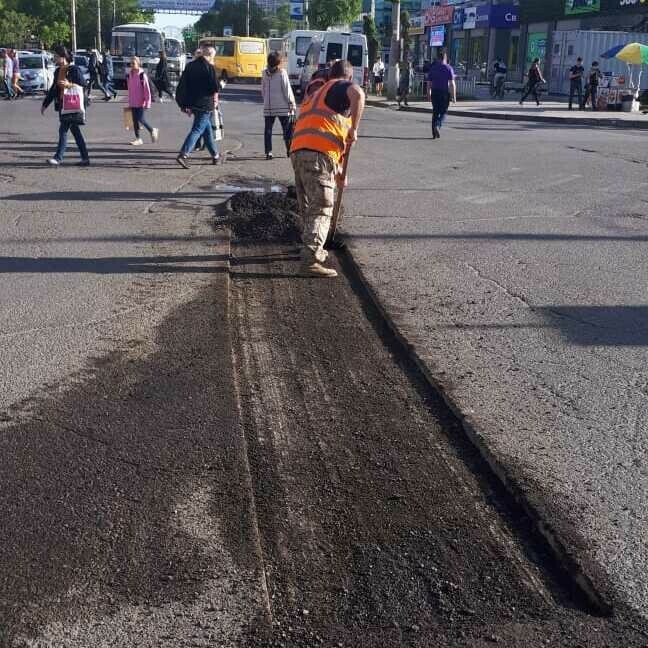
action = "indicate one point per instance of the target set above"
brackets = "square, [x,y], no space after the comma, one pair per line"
[562,554]
[622,124]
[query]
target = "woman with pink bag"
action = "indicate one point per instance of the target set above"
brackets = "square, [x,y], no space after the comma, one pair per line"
[139,100]
[69,101]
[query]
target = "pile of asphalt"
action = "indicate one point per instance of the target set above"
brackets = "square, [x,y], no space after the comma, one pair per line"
[258,217]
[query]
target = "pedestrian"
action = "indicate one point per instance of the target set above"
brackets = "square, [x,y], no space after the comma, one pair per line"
[326,128]
[94,70]
[499,79]
[278,101]
[576,73]
[404,82]
[378,75]
[66,75]
[442,89]
[195,96]
[7,74]
[15,74]
[161,80]
[139,100]
[108,73]
[535,79]
[591,88]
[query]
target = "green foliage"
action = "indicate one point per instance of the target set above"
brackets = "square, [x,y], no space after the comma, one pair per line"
[326,13]
[56,32]
[233,14]
[16,28]
[373,42]
[281,20]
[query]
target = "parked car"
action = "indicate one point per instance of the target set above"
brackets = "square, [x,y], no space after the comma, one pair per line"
[36,71]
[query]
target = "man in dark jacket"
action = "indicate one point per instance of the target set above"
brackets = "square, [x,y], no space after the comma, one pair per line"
[195,96]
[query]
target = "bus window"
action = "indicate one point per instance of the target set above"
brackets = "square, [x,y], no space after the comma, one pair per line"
[301,45]
[333,52]
[123,44]
[224,48]
[148,43]
[250,47]
[354,55]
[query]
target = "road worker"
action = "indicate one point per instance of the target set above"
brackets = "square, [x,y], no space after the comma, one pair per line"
[325,130]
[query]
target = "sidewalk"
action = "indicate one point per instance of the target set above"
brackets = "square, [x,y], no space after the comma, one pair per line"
[553,112]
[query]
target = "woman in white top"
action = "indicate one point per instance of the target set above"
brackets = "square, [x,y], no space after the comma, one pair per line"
[278,101]
[378,75]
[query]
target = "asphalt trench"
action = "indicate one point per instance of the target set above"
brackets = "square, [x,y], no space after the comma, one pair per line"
[380,525]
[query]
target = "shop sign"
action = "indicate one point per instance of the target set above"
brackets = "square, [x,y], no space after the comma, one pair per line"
[536,47]
[633,4]
[437,36]
[505,17]
[574,7]
[439,15]
[476,17]
[470,17]
[458,18]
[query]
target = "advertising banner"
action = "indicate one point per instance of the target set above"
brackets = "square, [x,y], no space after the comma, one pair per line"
[177,6]
[296,10]
[505,17]
[439,15]
[536,48]
[470,17]
[437,36]
[458,18]
[574,7]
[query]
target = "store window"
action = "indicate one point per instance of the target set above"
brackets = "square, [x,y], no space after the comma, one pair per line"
[478,57]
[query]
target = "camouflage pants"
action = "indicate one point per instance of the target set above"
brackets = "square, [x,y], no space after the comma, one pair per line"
[315,184]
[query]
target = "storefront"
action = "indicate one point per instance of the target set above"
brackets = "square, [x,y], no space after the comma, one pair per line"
[470,43]
[438,22]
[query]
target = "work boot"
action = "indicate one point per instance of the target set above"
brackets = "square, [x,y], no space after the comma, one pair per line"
[316,269]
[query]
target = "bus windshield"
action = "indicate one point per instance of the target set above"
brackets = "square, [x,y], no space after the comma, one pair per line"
[174,48]
[136,43]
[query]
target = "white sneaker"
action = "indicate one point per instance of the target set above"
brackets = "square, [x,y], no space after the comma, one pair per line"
[155,135]
[53,162]
[137,142]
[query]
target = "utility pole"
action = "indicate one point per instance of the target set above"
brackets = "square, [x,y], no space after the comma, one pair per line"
[394,52]
[73,25]
[99,25]
[247,19]
[306,13]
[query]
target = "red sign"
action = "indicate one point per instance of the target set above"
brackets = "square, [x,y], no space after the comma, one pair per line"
[438,15]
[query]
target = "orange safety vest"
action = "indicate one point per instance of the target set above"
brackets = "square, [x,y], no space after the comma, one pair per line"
[319,128]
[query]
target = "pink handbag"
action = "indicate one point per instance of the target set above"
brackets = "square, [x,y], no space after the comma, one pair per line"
[72,100]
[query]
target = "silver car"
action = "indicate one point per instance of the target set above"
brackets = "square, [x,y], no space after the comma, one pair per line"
[36,72]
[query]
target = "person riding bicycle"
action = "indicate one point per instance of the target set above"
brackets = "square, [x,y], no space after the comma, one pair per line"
[499,76]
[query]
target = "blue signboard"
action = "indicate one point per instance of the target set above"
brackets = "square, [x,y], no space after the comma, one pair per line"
[505,16]
[437,36]
[458,18]
[483,16]
[296,10]
[177,6]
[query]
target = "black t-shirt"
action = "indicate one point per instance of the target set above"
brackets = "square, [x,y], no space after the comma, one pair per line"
[534,75]
[337,99]
[594,78]
[577,70]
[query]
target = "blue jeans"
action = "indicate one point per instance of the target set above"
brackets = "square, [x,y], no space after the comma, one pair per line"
[440,103]
[9,89]
[108,85]
[139,120]
[201,127]
[64,127]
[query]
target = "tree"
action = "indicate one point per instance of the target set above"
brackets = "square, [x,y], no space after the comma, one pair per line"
[56,32]
[281,20]
[323,14]
[233,14]
[16,28]
[373,43]
[405,35]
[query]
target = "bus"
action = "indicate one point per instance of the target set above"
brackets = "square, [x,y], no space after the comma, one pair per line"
[135,39]
[176,58]
[238,57]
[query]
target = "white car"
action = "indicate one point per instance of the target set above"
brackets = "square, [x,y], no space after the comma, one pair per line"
[36,72]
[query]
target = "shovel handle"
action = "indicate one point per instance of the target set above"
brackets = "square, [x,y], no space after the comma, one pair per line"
[335,219]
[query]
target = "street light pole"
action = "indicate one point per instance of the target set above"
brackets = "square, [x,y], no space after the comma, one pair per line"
[247,19]
[73,25]
[99,25]
[394,52]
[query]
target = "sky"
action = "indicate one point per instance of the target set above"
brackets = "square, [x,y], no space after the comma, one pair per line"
[175,20]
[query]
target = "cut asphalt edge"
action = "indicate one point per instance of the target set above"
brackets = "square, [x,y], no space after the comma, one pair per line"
[354,273]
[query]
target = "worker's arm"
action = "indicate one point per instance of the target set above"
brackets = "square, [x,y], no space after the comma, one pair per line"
[356,97]
[453,90]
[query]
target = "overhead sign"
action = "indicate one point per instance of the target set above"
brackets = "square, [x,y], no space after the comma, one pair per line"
[438,15]
[177,6]
[574,7]
[505,16]
[296,10]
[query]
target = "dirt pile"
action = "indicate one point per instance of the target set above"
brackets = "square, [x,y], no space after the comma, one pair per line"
[257,217]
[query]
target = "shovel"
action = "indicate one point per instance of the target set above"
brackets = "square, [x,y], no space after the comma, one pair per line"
[333,243]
